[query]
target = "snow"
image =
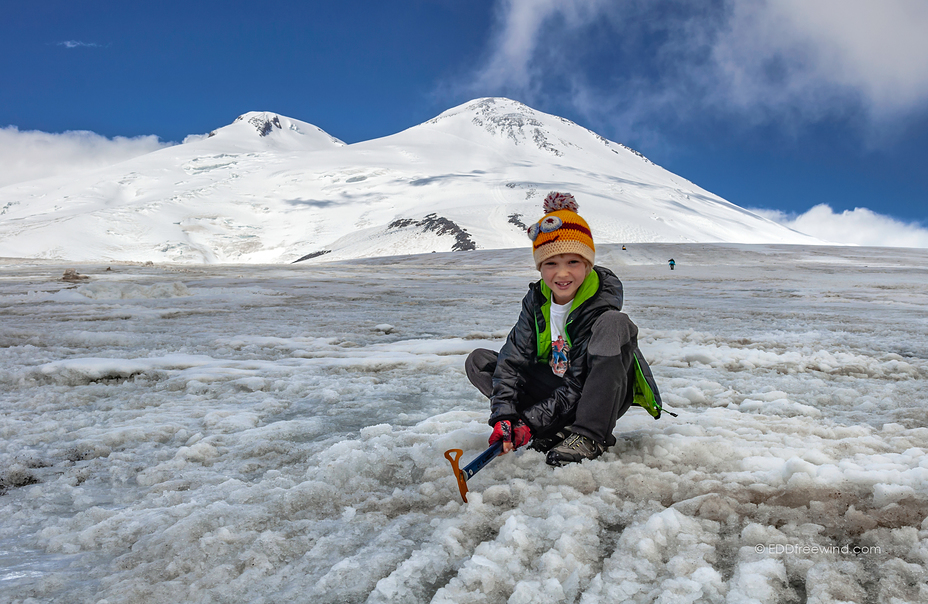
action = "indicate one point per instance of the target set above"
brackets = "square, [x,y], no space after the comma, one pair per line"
[271,189]
[267,433]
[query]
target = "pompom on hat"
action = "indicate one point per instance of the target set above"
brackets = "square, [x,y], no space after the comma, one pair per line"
[561,230]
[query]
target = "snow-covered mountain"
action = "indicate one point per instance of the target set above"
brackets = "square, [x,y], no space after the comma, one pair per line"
[272,189]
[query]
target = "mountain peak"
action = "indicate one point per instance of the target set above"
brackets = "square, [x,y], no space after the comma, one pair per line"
[505,119]
[275,130]
[524,126]
[263,121]
[497,105]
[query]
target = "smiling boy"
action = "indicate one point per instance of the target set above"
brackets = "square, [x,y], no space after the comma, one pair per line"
[567,369]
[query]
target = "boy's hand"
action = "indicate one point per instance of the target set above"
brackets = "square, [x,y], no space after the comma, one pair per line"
[513,436]
[501,431]
[521,434]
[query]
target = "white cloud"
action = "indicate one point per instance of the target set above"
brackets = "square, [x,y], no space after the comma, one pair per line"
[27,155]
[809,55]
[769,59]
[513,60]
[79,44]
[859,226]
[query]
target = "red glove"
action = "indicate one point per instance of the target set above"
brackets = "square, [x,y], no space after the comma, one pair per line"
[501,431]
[521,434]
[518,434]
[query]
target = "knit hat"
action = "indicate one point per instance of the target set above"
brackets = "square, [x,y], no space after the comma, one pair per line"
[561,230]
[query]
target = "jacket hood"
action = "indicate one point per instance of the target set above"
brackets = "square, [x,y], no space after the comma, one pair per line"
[610,288]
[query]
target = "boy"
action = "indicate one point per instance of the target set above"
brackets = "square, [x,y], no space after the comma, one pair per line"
[567,369]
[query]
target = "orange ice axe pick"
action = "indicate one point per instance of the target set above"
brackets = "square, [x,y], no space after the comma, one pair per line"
[454,456]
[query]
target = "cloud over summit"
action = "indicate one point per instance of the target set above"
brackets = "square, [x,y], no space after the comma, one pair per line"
[31,154]
[771,61]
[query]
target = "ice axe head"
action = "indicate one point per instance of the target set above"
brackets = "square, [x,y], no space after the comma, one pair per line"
[453,455]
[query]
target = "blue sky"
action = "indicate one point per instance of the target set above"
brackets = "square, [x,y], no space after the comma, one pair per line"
[780,105]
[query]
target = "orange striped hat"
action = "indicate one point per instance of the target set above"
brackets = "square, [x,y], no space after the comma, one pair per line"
[561,230]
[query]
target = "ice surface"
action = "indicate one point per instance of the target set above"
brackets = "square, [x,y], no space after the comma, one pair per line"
[275,434]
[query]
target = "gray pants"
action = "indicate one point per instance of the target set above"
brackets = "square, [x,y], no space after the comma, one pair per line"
[607,393]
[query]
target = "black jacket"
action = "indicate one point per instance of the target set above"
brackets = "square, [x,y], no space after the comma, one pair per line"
[521,351]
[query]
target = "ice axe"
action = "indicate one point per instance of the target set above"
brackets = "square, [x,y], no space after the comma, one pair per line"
[454,455]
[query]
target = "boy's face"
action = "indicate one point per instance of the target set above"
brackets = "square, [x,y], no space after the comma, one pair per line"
[564,274]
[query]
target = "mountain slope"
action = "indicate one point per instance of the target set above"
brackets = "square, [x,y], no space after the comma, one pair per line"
[267,188]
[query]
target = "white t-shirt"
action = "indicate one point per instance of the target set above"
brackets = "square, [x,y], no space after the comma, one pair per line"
[559,314]
[559,345]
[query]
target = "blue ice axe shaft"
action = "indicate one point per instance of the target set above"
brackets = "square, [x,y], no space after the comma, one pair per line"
[454,455]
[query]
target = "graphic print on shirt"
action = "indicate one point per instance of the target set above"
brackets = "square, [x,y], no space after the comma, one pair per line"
[559,363]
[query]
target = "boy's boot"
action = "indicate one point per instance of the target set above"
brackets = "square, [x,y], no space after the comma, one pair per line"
[546,443]
[575,447]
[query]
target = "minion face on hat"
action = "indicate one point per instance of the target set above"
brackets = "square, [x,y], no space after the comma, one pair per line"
[561,231]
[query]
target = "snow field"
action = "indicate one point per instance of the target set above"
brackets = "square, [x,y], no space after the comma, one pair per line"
[265,434]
